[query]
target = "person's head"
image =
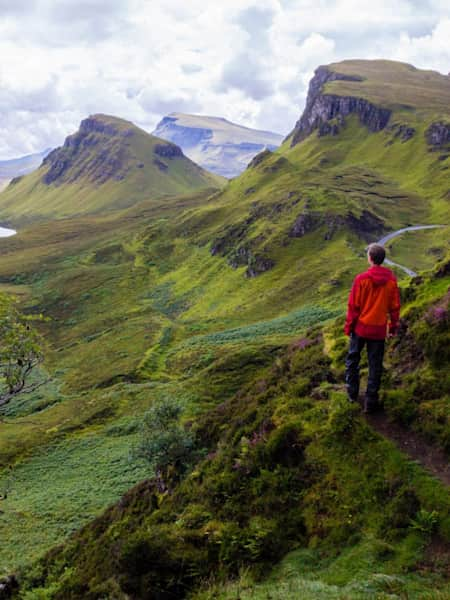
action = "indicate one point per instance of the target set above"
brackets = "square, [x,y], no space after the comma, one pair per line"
[376,254]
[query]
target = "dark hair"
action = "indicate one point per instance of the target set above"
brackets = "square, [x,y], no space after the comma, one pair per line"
[377,253]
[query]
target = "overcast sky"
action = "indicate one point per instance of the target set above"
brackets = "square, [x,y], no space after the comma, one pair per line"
[249,61]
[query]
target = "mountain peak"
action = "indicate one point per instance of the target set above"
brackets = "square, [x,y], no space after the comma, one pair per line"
[108,163]
[215,143]
[373,90]
[101,150]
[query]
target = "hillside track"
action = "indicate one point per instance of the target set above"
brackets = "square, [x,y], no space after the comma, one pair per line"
[394,234]
[433,459]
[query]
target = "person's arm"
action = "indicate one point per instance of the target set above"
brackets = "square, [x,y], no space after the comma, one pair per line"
[394,310]
[353,309]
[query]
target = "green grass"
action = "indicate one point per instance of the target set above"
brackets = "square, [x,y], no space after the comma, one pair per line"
[358,573]
[394,84]
[420,250]
[59,489]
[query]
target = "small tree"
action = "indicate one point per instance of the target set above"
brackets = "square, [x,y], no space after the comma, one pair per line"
[20,351]
[166,444]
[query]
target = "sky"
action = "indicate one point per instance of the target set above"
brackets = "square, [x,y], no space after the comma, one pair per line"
[249,61]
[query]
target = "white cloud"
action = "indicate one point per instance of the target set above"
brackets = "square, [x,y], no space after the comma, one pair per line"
[246,60]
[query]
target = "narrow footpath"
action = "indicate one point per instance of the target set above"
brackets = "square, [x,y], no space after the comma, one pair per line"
[433,459]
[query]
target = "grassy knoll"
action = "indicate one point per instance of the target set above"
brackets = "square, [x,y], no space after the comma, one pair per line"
[394,84]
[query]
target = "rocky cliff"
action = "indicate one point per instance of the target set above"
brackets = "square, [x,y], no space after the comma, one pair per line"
[99,151]
[322,107]
[216,144]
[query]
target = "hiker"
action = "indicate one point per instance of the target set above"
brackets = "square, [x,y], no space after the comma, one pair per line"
[374,296]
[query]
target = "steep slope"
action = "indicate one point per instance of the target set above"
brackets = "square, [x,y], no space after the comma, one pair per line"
[288,465]
[354,166]
[214,143]
[107,164]
[16,167]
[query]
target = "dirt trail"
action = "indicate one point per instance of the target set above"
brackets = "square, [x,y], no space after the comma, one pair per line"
[413,444]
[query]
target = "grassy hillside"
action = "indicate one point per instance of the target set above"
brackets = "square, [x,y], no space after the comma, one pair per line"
[398,85]
[227,303]
[108,164]
[288,464]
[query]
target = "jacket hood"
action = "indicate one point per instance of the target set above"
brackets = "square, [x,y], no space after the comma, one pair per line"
[379,275]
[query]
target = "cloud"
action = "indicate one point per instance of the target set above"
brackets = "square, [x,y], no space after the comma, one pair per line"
[249,61]
[247,73]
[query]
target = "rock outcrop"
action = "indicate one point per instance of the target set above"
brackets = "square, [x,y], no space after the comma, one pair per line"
[94,153]
[321,108]
[438,135]
[366,226]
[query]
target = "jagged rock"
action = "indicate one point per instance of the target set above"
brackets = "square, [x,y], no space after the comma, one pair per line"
[402,131]
[259,264]
[328,129]
[66,163]
[365,226]
[168,150]
[321,108]
[438,134]
[277,165]
[259,158]
[250,190]
[159,163]
[305,223]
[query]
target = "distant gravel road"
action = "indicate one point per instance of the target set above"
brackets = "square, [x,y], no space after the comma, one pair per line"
[6,232]
[394,234]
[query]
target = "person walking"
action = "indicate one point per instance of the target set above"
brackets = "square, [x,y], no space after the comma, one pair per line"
[373,313]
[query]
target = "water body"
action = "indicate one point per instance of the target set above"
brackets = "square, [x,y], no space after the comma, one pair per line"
[394,234]
[5,232]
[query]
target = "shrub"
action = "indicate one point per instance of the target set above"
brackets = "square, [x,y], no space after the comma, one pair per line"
[165,444]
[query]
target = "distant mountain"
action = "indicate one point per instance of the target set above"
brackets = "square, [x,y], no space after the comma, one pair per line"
[214,143]
[108,163]
[23,165]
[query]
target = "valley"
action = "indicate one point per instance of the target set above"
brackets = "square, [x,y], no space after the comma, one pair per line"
[169,284]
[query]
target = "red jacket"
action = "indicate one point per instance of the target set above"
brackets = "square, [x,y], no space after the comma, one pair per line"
[373,298]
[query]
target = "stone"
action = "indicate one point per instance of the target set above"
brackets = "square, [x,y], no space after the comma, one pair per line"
[321,108]
[438,134]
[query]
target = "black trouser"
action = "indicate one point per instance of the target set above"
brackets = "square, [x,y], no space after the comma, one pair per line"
[375,353]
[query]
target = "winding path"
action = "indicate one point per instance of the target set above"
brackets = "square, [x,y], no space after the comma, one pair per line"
[5,232]
[394,234]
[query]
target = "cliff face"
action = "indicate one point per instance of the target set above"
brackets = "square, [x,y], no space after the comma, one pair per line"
[321,108]
[438,135]
[96,152]
[216,144]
